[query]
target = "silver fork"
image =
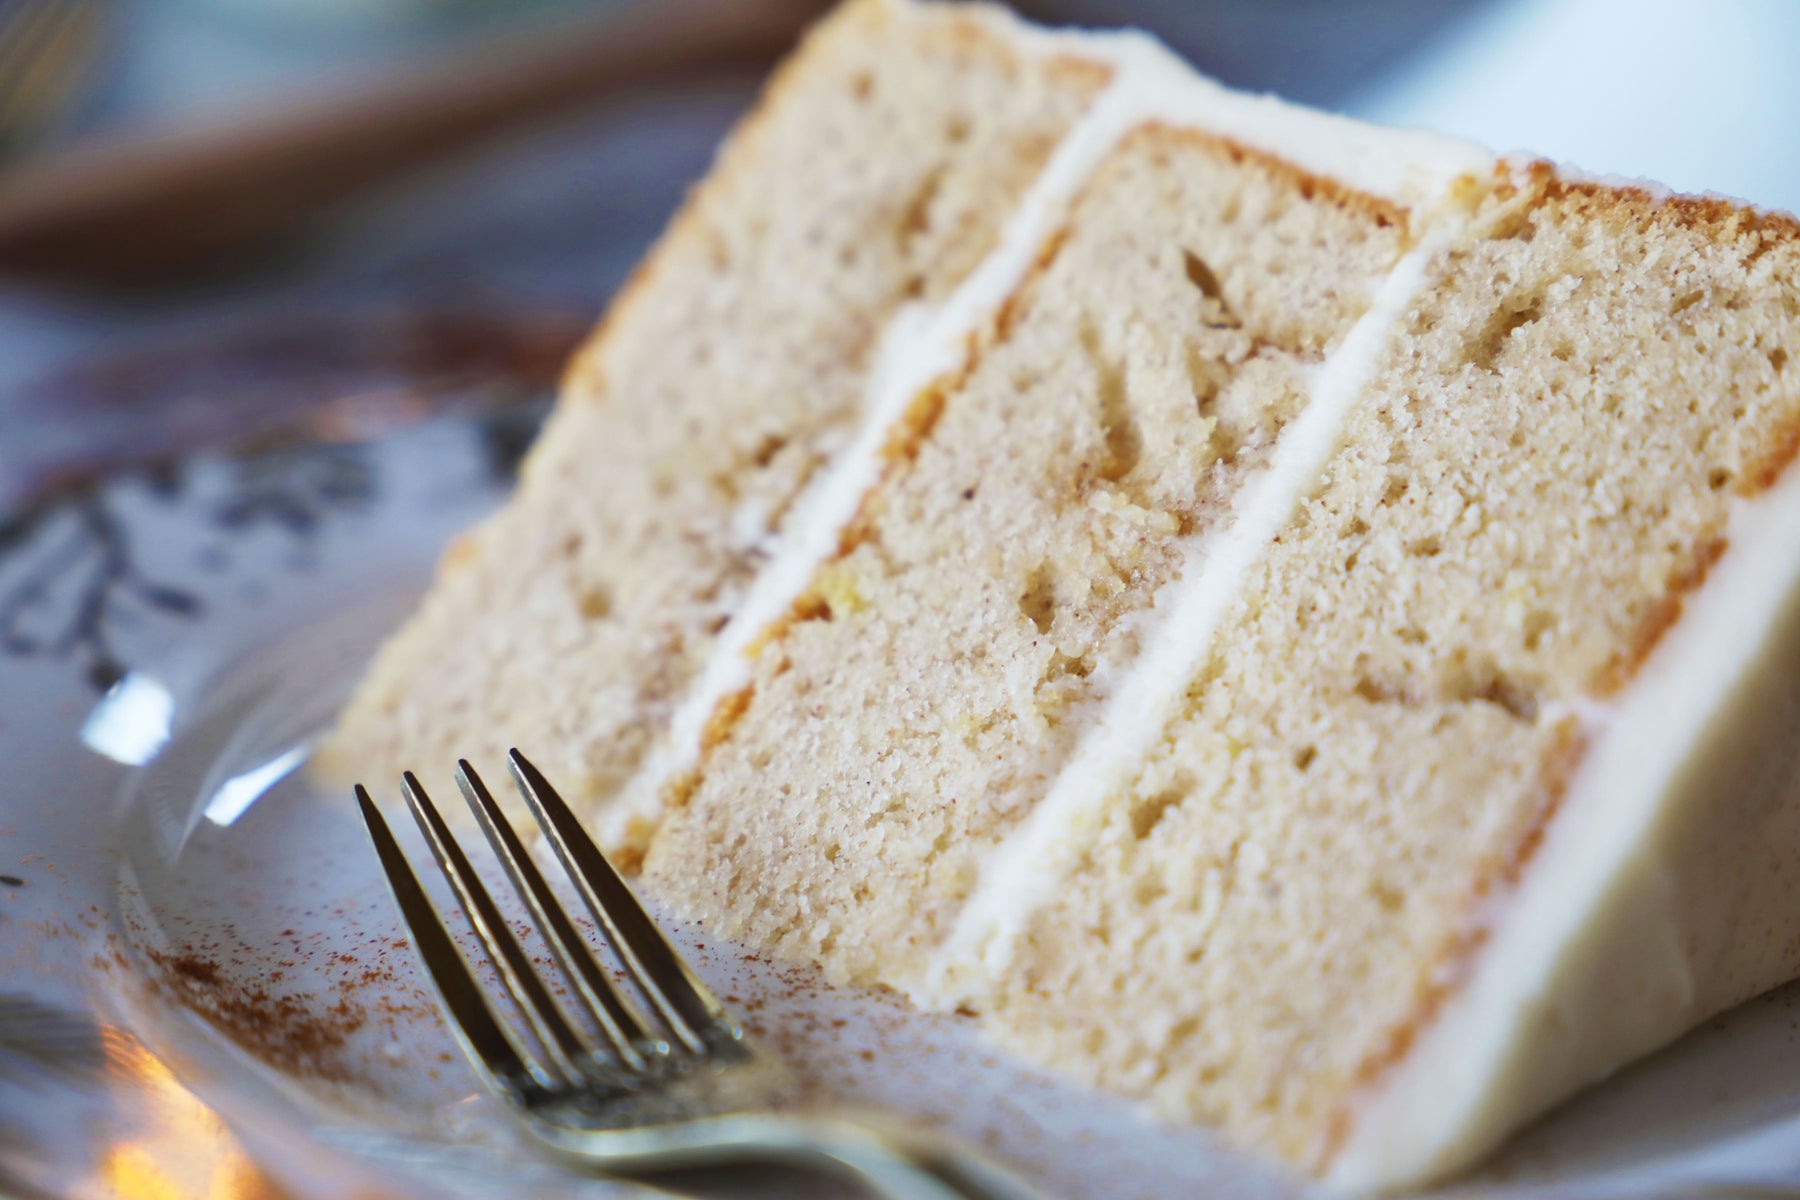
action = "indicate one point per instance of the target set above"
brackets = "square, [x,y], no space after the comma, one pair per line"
[598,1078]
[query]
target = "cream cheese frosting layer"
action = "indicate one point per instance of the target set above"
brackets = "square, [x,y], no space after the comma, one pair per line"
[1671,834]
[1407,166]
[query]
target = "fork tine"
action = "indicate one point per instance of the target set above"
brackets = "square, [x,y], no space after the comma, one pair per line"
[559,1039]
[482,1035]
[617,1017]
[690,1010]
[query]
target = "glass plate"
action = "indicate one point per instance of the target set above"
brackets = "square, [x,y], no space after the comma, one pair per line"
[174,883]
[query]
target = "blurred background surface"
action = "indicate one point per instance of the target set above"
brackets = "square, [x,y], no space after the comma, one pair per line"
[498,165]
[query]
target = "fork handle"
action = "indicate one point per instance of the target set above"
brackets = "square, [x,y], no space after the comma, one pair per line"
[905,1164]
[897,1162]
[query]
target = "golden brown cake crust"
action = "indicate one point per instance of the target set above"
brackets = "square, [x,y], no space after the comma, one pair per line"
[1450,968]
[1383,210]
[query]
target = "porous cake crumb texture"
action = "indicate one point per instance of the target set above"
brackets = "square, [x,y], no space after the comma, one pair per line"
[995,584]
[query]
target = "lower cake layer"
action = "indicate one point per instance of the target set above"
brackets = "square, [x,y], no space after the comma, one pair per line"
[1661,894]
[945,664]
[1260,920]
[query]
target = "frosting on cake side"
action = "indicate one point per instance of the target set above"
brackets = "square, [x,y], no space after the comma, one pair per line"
[1662,891]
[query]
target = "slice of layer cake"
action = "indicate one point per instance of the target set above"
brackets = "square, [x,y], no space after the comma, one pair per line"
[994,589]
[1286,620]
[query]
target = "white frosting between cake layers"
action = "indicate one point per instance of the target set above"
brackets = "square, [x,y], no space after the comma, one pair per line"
[1408,166]
[925,343]
[1030,865]
[1594,958]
